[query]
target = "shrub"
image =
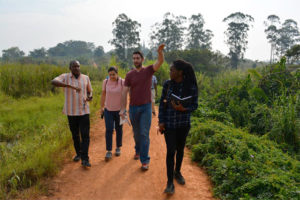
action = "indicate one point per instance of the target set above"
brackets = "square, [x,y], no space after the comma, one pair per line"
[244,166]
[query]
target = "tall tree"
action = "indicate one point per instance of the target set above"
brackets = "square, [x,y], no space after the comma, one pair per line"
[126,36]
[237,34]
[170,32]
[72,48]
[288,36]
[272,31]
[38,53]
[198,37]
[293,54]
[12,54]
[99,52]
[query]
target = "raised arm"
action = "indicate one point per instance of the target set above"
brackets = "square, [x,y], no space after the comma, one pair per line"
[160,57]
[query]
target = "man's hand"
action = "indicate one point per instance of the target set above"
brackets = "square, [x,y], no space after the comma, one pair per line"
[78,89]
[160,48]
[122,113]
[178,107]
[89,98]
[162,128]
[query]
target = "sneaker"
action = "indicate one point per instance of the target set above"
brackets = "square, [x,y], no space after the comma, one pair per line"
[108,156]
[179,178]
[145,167]
[76,158]
[170,189]
[136,156]
[85,163]
[118,151]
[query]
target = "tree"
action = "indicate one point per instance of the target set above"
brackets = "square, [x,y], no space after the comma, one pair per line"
[294,53]
[12,54]
[99,52]
[288,36]
[38,53]
[72,48]
[237,34]
[283,37]
[170,32]
[126,36]
[198,38]
[272,31]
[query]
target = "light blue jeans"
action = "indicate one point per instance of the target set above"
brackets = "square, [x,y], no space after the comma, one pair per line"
[140,117]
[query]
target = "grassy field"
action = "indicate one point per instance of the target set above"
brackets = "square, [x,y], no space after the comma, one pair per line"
[35,139]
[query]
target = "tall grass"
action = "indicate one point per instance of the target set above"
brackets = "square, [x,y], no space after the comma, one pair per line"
[28,80]
[18,80]
[34,139]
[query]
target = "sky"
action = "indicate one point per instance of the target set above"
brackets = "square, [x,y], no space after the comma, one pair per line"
[32,24]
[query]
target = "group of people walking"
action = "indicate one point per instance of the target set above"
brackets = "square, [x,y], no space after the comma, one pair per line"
[178,99]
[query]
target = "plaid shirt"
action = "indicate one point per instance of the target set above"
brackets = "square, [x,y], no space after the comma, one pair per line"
[167,114]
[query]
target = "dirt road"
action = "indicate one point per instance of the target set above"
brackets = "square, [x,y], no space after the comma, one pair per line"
[122,178]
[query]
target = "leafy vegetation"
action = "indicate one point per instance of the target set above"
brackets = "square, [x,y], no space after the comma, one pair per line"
[241,165]
[246,133]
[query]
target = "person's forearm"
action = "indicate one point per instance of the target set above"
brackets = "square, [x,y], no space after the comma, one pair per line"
[59,83]
[124,100]
[159,62]
[160,58]
[102,99]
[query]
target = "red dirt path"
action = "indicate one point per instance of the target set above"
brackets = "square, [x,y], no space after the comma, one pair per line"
[122,178]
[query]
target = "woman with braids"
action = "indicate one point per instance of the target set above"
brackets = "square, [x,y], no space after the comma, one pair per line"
[179,98]
[110,108]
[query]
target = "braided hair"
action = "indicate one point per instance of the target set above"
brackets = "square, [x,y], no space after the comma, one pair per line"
[189,77]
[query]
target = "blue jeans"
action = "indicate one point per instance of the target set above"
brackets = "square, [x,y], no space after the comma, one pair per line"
[140,117]
[112,120]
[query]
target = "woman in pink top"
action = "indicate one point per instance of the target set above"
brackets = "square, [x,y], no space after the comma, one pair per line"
[110,108]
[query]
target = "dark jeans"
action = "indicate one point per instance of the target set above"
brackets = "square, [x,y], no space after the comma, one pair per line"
[140,117]
[112,120]
[82,124]
[175,140]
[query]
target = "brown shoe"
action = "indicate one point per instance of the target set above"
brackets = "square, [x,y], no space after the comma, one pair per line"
[145,166]
[136,156]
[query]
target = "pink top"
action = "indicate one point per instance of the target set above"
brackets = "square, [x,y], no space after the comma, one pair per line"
[113,94]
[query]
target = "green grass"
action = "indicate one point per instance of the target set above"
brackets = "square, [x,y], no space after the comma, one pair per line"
[34,139]
[20,81]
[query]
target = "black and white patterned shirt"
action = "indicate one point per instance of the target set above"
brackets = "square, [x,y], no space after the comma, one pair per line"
[167,114]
